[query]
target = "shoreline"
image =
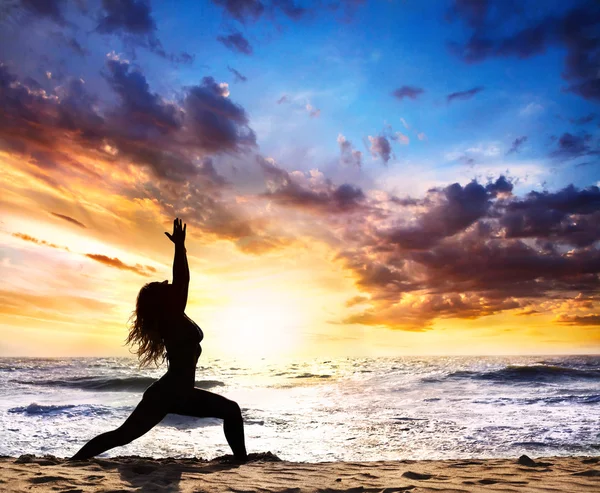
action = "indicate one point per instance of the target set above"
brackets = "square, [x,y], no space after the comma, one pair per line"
[266,473]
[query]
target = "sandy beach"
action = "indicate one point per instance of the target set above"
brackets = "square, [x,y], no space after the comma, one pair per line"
[267,474]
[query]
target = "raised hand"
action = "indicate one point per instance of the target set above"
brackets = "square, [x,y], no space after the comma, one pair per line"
[178,236]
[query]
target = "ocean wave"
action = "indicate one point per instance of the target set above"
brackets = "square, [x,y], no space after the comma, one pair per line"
[101,384]
[559,399]
[69,410]
[526,374]
[310,375]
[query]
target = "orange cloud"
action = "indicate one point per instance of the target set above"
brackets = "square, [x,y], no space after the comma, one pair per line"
[142,270]
[591,319]
[37,241]
[69,219]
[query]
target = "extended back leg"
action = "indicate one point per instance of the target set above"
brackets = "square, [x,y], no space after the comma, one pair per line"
[144,417]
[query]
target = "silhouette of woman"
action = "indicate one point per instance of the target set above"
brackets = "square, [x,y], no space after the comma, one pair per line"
[160,324]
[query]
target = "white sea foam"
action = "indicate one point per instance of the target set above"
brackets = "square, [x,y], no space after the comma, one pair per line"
[345,409]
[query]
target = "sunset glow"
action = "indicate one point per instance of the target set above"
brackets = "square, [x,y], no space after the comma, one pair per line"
[357,178]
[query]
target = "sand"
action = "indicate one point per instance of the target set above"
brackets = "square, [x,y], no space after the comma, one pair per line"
[266,474]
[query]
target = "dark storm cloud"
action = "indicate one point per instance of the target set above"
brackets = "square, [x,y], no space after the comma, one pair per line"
[238,77]
[463,95]
[236,43]
[408,92]
[284,189]
[516,145]
[68,219]
[575,31]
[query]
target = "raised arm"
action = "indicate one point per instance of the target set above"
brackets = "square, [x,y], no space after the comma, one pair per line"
[181,271]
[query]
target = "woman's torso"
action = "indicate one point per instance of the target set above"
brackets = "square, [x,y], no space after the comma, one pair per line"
[182,338]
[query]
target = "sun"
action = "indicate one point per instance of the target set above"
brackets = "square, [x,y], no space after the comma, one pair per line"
[261,322]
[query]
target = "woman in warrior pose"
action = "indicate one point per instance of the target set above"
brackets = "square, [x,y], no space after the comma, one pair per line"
[160,325]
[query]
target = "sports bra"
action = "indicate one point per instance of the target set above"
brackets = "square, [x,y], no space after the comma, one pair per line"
[183,344]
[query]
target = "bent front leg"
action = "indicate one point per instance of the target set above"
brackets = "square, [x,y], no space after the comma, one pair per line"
[204,404]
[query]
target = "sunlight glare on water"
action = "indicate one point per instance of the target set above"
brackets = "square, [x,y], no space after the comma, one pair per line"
[344,409]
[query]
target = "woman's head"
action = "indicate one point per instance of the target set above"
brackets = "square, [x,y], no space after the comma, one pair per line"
[151,307]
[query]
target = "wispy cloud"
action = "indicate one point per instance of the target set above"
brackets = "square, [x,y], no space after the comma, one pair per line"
[68,219]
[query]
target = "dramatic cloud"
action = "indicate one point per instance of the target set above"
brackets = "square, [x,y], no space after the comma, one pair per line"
[516,145]
[320,197]
[463,94]
[214,121]
[238,77]
[349,155]
[171,140]
[476,250]
[140,107]
[455,209]
[142,270]
[570,217]
[575,31]
[407,92]
[68,219]
[380,146]
[115,142]
[236,42]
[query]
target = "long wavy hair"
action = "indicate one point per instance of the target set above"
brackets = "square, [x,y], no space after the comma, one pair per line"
[145,322]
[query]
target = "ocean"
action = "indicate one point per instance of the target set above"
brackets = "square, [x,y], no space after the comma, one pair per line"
[350,409]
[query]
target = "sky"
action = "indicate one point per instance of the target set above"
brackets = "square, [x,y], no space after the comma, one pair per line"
[358,178]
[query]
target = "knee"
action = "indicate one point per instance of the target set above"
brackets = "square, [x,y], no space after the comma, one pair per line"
[233,411]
